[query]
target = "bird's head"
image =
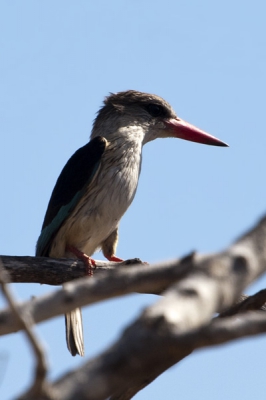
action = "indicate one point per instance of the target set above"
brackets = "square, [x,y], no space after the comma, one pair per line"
[146,116]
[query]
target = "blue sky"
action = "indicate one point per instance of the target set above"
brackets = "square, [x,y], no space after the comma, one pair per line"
[208,59]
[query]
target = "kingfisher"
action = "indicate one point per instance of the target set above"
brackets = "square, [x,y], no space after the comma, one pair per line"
[99,182]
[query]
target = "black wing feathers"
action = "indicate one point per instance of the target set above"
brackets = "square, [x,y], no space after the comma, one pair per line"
[78,171]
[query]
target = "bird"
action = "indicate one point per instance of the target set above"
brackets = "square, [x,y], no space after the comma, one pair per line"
[99,182]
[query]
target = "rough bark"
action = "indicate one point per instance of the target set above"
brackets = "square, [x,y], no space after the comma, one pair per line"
[194,289]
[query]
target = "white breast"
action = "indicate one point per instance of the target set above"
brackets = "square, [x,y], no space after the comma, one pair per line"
[107,198]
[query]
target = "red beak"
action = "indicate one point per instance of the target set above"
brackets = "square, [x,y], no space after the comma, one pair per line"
[183,130]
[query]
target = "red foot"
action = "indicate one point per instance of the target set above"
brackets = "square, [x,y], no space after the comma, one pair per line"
[88,261]
[114,258]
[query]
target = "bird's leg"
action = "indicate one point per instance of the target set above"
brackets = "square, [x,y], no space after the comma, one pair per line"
[109,247]
[88,261]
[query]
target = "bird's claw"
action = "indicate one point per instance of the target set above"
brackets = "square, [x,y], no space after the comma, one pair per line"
[114,258]
[89,262]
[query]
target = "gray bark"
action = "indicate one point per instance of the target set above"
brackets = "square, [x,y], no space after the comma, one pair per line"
[193,288]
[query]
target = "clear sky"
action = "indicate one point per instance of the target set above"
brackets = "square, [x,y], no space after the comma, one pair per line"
[58,59]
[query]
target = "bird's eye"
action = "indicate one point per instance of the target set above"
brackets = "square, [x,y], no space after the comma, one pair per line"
[155,110]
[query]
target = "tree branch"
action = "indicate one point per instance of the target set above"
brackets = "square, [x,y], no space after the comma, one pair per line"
[247,303]
[145,350]
[180,321]
[53,271]
[39,381]
[113,283]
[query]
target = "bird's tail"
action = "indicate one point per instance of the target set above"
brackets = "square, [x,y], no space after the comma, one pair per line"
[74,332]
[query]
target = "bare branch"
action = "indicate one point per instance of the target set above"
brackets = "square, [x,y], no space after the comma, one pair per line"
[221,278]
[117,282]
[53,271]
[170,329]
[24,319]
[146,349]
[247,303]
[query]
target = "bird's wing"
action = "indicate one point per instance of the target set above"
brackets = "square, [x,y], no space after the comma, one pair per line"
[71,184]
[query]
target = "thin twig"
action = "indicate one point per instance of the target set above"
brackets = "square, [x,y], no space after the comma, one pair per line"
[247,303]
[26,322]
